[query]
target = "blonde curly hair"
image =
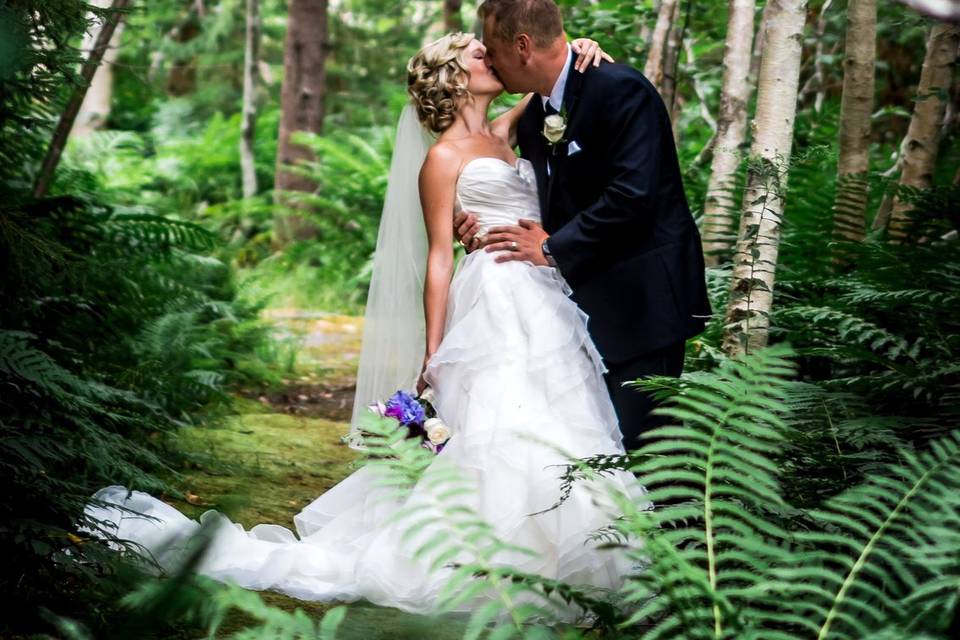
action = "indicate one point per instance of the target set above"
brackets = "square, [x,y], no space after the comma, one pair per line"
[437,78]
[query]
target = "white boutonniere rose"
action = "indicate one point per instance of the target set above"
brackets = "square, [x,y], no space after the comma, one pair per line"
[554,126]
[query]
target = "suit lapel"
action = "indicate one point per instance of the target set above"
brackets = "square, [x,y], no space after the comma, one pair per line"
[538,154]
[571,95]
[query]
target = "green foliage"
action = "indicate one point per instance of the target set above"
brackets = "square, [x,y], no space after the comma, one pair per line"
[333,271]
[119,327]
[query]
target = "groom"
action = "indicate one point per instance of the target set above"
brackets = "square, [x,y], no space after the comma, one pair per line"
[615,218]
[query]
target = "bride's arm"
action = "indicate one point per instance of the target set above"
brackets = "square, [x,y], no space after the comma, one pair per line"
[438,178]
[505,125]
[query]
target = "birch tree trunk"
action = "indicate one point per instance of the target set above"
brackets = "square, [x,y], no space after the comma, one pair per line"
[758,244]
[653,69]
[251,82]
[856,107]
[45,176]
[452,16]
[95,108]
[920,148]
[758,42]
[671,60]
[718,209]
[301,109]
[817,81]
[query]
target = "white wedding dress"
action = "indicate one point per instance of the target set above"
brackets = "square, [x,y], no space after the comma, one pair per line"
[515,363]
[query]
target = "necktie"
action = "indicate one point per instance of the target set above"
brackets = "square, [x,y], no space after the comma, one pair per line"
[549,110]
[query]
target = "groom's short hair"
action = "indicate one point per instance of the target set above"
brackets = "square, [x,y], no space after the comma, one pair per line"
[540,19]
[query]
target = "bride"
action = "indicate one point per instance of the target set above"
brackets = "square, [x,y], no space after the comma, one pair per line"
[503,347]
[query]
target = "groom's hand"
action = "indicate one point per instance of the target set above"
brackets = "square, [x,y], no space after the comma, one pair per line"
[518,243]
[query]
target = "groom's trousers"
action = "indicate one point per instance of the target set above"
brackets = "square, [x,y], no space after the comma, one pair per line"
[632,405]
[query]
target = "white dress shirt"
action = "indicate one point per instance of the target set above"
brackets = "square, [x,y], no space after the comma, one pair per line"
[556,95]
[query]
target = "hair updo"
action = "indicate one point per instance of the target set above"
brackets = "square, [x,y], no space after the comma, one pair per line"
[437,78]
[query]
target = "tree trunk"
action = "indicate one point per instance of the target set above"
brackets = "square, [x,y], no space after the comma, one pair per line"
[856,107]
[452,17]
[653,69]
[755,262]
[251,79]
[758,42]
[920,150]
[718,209]
[52,159]
[301,107]
[96,104]
[671,60]
[182,79]
[817,81]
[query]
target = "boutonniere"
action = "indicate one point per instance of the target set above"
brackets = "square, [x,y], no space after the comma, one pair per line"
[554,127]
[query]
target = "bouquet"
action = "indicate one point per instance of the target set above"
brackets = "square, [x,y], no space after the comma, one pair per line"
[417,415]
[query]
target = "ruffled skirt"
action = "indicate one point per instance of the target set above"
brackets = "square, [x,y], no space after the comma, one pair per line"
[520,385]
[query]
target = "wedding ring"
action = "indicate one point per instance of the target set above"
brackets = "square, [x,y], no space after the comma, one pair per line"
[513,246]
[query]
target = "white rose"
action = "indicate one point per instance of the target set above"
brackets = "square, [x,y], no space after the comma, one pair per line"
[553,128]
[437,432]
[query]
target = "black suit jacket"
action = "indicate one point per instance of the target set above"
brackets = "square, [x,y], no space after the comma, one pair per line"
[620,227]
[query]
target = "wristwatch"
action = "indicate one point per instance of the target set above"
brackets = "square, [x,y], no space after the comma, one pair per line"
[546,254]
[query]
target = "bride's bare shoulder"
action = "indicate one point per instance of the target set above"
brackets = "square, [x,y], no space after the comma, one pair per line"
[442,162]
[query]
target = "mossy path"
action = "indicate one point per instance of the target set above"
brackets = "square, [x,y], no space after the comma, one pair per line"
[282,449]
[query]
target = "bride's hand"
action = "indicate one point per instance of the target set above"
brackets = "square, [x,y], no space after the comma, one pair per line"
[588,52]
[421,382]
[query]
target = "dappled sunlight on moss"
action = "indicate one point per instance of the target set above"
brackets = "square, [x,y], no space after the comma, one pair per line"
[263,467]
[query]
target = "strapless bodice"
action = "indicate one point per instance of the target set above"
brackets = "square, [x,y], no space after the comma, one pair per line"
[497,192]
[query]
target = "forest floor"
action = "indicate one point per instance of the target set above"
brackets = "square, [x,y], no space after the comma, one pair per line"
[282,449]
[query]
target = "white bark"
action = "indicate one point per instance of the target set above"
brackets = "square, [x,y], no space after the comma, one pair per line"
[758,244]
[96,103]
[920,145]
[671,60]
[653,69]
[250,83]
[856,107]
[718,209]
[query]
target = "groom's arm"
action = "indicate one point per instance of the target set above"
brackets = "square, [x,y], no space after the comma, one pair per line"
[637,133]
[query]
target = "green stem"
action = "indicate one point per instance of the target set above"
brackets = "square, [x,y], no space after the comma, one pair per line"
[862,560]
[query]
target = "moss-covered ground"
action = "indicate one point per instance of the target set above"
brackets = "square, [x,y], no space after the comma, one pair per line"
[281,449]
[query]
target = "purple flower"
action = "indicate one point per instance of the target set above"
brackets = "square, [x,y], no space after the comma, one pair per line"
[405,409]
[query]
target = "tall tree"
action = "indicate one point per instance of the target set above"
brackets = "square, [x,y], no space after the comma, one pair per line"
[671,59]
[251,78]
[182,79]
[301,109]
[922,139]
[755,262]
[856,107]
[817,80]
[452,16]
[95,108]
[718,209]
[89,68]
[653,69]
[758,42]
